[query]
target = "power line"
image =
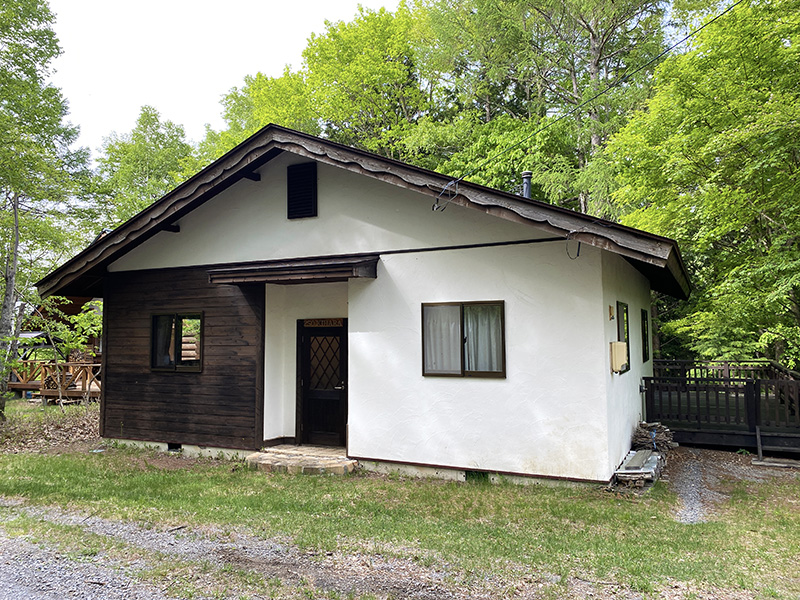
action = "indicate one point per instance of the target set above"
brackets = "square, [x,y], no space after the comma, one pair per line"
[620,81]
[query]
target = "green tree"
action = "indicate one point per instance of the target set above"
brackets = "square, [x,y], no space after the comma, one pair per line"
[528,63]
[139,167]
[39,174]
[714,162]
[363,82]
[260,101]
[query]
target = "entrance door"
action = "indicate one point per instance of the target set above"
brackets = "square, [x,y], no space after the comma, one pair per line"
[322,390]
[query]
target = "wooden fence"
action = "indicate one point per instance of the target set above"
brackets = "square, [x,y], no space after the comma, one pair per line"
[726,403]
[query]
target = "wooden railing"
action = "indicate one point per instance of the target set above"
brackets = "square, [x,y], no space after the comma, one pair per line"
[26,376]
[57,380]
[756,369]
[726,403]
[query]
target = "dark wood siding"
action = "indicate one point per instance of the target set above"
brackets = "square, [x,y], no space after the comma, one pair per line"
[221,406]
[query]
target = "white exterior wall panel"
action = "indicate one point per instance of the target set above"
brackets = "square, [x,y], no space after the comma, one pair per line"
[247,222]
[547,417]
[550,416]
[623,283]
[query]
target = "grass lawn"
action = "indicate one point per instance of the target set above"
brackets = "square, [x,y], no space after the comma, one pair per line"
[753,543]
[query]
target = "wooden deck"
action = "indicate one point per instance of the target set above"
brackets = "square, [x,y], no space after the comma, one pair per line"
[727,404]
[67,380]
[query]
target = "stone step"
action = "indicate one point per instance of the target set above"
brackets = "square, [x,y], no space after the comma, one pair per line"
[310,460]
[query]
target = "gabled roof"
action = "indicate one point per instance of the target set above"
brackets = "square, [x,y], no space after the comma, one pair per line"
[658,258]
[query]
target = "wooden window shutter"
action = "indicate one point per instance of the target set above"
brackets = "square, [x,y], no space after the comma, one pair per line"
[301,186]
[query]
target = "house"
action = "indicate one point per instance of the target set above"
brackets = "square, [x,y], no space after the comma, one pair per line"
[300,291]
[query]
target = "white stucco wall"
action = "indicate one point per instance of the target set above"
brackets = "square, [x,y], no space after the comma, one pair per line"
[547,417]
[247,222]
[623,283]
[559,412]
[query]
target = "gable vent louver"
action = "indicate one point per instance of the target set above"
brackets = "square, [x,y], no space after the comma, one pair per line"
[301,186]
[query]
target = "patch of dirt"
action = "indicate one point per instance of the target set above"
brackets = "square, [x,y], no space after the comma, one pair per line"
[165,461]
[52,431]
[702,479]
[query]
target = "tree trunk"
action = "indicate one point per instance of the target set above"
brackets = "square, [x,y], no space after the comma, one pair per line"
[9,303]
[596,49]
[655,329]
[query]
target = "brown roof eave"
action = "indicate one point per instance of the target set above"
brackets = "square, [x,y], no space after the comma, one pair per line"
[230,169]
[661,254]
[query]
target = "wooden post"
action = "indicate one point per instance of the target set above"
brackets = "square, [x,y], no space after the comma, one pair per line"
[649,408]
[751,403]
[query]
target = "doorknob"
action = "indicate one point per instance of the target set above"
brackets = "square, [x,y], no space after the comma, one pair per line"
[340,387]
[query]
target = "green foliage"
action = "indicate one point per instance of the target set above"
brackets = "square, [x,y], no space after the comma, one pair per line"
[508,76]
[37,168]
[140,167]
[44,184]
[363,82]
[260,101]
[69,332]
[714,163]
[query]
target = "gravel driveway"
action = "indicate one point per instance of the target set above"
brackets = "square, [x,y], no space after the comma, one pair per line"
[31,572]
[699,475]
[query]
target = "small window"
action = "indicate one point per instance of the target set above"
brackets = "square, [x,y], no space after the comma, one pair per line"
[464,339]
[177,342]
[623,333]
[645,336]
[301,190]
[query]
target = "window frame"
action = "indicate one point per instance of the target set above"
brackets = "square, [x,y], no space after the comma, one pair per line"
[177,331]
[463,372]
[645,335]
[624,332]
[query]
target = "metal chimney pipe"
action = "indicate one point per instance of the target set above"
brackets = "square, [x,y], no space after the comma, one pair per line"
[526,183]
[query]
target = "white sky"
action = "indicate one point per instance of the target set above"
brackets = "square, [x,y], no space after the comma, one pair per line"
[179,56]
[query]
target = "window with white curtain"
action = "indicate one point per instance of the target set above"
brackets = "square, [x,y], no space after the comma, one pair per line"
[463,339]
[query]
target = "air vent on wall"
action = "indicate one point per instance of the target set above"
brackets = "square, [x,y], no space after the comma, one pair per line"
[301,185]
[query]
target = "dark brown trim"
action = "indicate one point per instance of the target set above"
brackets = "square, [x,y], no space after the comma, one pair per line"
[299,270]
[624,332]
[278,441]
[298,396]
[489,471]
[261,297]
[330,268]
[214,179]
[176,367]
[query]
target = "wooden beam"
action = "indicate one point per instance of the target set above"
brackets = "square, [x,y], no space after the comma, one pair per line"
[172,228]
[316,270]
[252,176]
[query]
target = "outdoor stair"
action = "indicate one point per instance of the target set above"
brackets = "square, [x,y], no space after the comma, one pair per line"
[311,460]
